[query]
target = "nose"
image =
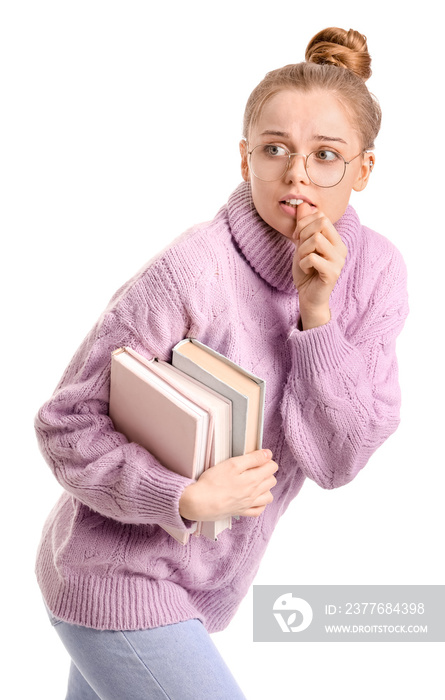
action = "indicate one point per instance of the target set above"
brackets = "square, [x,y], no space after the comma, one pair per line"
[296,171]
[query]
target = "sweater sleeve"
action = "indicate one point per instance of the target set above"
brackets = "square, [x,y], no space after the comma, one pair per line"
[342,398]
[89,458]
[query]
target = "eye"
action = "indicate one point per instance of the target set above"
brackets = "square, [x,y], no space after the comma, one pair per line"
[326,156]
[273,151]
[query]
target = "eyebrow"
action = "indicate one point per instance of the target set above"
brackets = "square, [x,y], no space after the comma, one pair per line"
[316,137]
[272,132]
[321,137]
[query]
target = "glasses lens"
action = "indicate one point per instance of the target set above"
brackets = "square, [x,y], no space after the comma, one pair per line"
[269,162]
[325,168]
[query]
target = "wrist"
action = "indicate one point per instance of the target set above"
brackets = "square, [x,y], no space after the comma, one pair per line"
[312,318]
[186,503]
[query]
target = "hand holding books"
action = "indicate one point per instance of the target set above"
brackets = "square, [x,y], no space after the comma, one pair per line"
[200,412]
[238,486]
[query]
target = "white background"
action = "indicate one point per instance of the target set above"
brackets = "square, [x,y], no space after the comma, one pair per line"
[120,124]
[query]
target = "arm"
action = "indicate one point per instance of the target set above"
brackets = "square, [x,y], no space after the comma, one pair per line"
[342,399]
[91,460]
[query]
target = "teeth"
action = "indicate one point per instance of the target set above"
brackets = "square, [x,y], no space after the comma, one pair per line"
[294,202]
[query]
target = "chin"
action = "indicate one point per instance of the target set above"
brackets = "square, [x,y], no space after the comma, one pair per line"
[287,233]
[286,229]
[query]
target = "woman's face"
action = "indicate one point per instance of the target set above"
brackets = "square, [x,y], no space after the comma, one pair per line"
[303,122]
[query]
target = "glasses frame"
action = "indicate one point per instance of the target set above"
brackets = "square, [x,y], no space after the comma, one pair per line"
[306,157]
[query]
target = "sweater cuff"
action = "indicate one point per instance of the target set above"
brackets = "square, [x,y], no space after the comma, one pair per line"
[318,350]
[158,498]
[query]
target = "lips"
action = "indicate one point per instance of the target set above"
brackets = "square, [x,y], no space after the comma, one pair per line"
[291,203]
[294,200]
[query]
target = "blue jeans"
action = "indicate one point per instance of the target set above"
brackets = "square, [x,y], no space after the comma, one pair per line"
[174,662]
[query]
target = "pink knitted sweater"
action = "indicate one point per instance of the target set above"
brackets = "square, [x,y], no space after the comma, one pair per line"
[332,397]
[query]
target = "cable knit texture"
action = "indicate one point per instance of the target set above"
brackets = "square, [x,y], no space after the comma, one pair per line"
[332,397]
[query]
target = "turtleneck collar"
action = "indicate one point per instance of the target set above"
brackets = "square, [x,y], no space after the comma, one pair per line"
[268,251]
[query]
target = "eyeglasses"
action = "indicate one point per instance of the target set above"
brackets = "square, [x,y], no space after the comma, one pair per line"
[324,167]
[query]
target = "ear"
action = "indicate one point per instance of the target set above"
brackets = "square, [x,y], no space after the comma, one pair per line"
[365,171]
[244,160]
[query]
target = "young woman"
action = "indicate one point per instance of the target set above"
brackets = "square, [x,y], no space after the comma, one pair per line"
[288,283]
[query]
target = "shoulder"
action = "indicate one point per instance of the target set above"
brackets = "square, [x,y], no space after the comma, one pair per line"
[383,261]
[197,251]
[373,258]
[381,245]
[175,269]
[373,283]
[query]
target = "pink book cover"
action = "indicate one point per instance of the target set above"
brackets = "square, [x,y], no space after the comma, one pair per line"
[149,412]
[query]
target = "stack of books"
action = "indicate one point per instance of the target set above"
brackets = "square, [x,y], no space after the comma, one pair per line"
[191,414]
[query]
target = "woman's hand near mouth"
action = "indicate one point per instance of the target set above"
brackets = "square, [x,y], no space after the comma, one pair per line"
[320,255]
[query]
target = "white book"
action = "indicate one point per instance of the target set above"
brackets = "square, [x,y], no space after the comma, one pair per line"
[245,390]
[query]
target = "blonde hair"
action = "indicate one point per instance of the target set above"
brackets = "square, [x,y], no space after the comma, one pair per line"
[336,60]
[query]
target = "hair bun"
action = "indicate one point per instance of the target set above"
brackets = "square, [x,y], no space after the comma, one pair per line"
[338,47]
